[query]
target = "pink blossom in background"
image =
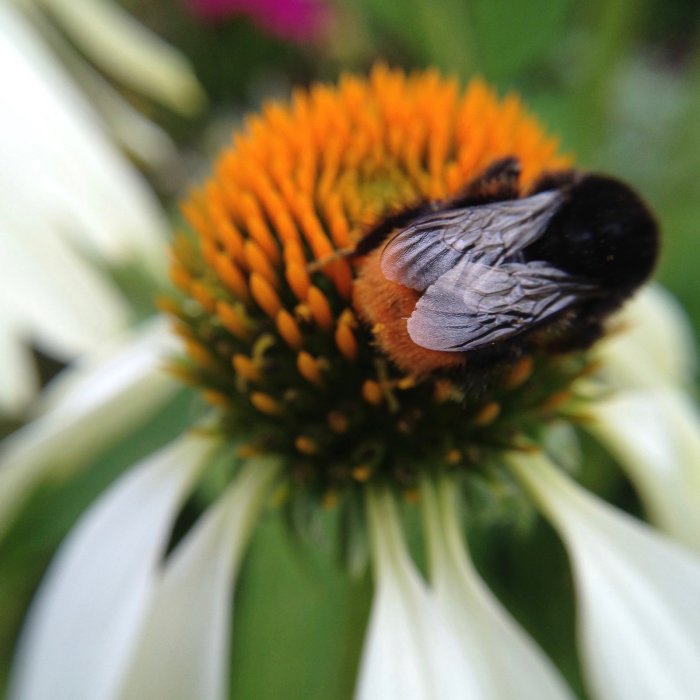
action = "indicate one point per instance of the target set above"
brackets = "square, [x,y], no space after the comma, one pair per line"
[290,19]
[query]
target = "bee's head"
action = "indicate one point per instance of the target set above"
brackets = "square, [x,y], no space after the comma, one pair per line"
[604,232]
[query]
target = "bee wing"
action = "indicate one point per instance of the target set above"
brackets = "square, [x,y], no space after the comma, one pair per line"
[431,246]
[474,304]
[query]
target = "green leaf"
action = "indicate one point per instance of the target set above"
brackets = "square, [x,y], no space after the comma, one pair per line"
[512,35]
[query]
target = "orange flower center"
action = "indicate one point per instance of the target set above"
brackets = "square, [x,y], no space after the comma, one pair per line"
[266,280]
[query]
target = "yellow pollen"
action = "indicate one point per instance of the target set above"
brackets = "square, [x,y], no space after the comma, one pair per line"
[261,345]
[232,239]
[337,422]
[266,404]
[320,308]
[264,295]
[216,398]
[183,374]
[203,296]
[181,279]
[167,305]
[521,372]
[194,216]
[261,234]
[199,353]
[183,331]
[289,329]
[298,279]
[303,313]
[555,401]
[210,251]
[488,414]
[340,228]
[453,457]
[258,262]
[293,252]
[309,368]
[231,276]
[246,368]
[372,392]
[183,249]
[341,274]
[247,451]
[306,445]
[348,318]
[346,342]
[361,473]
[406,383]
[233,320]
[443,390]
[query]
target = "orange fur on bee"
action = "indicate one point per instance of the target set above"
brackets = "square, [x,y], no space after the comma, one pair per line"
[386,306]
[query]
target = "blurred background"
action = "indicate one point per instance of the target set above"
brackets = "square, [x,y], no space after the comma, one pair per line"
[617,80]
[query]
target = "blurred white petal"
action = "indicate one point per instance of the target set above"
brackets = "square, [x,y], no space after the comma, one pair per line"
[506,661]
[50,295]
[410,653]
[86,618]
[654,345]
[85,410]
[184,648]
[129,52]
[18,377]
[140,136]
[56,156]
[638,592]
[655,435]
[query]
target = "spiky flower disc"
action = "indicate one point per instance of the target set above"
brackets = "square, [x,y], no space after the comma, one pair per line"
[273,336]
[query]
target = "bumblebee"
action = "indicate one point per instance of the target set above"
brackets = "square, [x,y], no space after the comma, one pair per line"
[491,275]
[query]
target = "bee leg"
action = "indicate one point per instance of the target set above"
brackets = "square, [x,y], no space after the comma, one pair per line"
[339,254]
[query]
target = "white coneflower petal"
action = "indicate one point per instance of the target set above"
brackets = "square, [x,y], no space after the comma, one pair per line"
[86,409]
[17,372]
[140,136]
[86,619]
[655,435]
[653,346]
[129,52]
[55,298]
[410,653]
[507,663]
[649,424]
[54,150]
[184,648]
[638,592]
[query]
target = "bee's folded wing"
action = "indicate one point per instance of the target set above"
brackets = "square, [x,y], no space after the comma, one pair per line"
[433,245]
[474,304]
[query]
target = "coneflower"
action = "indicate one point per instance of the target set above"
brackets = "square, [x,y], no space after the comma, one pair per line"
[310,411]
